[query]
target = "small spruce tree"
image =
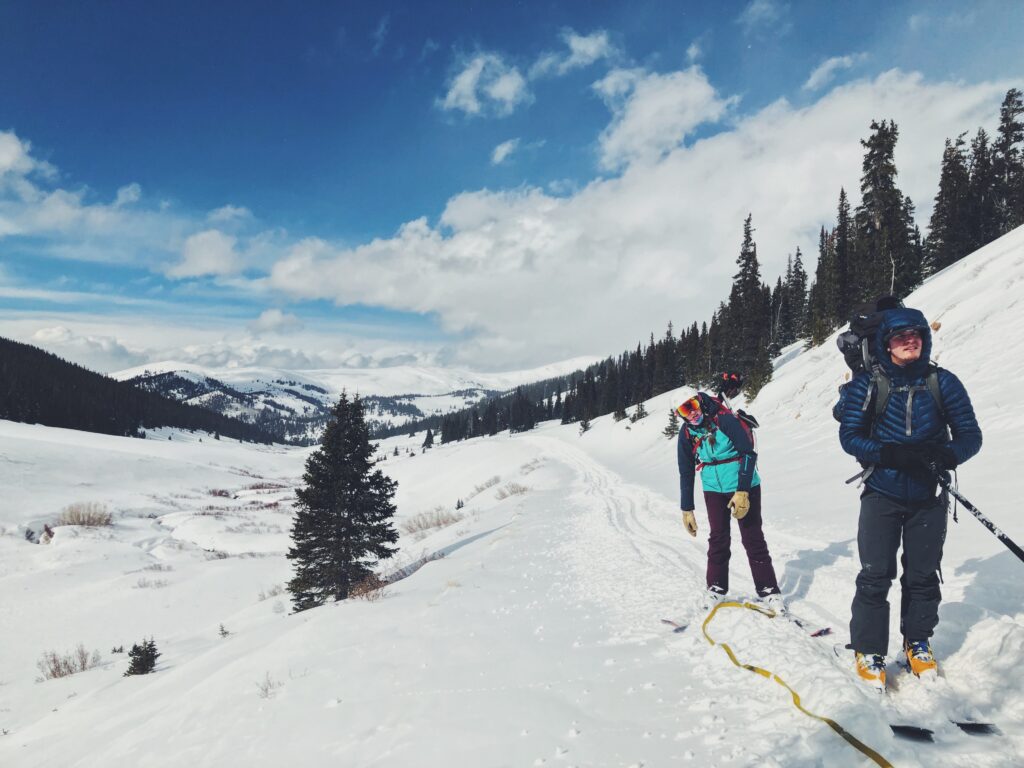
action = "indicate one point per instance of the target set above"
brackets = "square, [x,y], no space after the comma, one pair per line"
[672,429]
[143,658]
[584,426]
[343,512]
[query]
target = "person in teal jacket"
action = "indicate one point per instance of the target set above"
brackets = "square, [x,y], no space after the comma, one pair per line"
[714,442]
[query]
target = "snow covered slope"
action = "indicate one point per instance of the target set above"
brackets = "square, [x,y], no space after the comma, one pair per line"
[536,639]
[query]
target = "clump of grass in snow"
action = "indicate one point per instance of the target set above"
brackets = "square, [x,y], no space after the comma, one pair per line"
[268,686]
[510,489]
[274,591]
[371,589]
[89,513]
[438,517]
[53,664]
[489,483]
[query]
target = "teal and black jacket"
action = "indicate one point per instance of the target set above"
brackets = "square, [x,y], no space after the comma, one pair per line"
[723,450]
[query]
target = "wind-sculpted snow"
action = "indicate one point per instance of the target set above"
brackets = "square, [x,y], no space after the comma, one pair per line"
[536,640]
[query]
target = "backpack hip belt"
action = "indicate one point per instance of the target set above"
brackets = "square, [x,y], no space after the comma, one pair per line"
[703,464]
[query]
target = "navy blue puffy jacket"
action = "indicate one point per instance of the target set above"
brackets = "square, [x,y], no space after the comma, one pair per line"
[926,422]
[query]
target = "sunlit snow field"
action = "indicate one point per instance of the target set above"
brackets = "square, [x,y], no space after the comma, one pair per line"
[533,635]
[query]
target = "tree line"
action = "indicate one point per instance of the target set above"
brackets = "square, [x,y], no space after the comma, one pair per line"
[40,388]
[873,249]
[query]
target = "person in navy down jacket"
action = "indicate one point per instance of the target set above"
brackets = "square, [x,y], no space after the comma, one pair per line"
[899,447]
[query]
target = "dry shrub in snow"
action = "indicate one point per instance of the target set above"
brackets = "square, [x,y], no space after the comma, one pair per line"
[220,492]
[438,517]
[371,589]
[510,489]
[88,513]
[145,583]
[477,490]
[274,591]
[53,664]
[268,686]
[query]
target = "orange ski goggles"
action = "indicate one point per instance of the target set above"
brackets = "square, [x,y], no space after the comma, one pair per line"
[689,409]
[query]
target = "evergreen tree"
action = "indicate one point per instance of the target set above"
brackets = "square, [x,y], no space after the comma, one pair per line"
[949,238]
[1008,162]
[143,658]
[747,324]
[343,512]
[983,215]
[883,237]
[639,413]
[844,246]
[672,428]
[428,441]
[797,293]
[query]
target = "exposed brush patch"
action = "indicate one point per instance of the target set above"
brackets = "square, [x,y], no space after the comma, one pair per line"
[510,489]
[436,518]
[88,513]
[53,664]
[478,489]
[371,589]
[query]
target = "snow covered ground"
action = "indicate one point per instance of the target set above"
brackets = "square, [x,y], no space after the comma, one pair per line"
[536,639]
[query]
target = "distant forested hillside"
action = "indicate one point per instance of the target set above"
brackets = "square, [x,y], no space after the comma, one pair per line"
[40,388]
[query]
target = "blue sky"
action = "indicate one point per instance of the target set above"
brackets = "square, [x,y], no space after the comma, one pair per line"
[353,183]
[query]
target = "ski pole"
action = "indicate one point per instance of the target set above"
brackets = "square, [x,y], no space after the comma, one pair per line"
[1010,544]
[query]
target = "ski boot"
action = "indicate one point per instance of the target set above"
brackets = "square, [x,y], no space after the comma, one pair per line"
[712,596]
[871,669]
[920,658]
[775,603]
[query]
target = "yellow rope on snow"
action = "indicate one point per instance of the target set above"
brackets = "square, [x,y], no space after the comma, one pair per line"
[850,739]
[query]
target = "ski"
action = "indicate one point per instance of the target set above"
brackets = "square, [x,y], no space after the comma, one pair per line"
[676,626]
[803,624]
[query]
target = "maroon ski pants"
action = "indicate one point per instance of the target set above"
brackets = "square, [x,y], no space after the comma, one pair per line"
[719,521]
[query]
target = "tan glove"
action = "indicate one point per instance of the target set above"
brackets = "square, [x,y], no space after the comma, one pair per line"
[690,522]
[740,504]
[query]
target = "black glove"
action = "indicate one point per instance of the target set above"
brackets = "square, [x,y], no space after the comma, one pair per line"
[899,456]
[942,456]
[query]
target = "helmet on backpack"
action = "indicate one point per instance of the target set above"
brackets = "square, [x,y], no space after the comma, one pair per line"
[730,383]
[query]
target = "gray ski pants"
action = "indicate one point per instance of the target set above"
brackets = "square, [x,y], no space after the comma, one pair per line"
[922,527]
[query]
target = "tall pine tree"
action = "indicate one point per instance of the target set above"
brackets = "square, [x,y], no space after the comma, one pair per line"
[343,512]
[884,245]
[1008,162]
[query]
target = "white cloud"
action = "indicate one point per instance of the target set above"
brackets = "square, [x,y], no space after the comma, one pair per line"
[693,52]
[486,85]
[128,194]
[275,321]
[207,253]
[100,353]
[654,113]
[380,34]
[503,151]
[826,71]
[763,15]
[530,277]
[583,50]
[227,213]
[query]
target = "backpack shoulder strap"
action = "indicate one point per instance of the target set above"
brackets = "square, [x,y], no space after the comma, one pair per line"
[881,389]
[933,386]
